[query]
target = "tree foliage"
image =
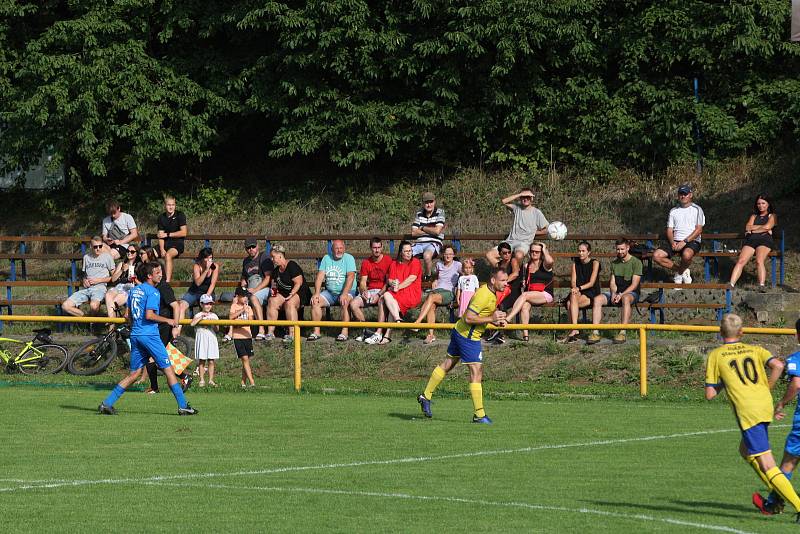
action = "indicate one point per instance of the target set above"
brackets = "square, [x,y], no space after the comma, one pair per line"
[114,87]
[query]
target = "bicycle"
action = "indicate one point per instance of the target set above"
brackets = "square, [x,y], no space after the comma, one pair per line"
[40,355]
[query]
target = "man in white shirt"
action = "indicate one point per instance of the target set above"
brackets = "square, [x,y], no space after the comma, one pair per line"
[684,227]
[119,229]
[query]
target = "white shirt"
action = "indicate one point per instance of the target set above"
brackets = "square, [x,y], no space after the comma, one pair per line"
[124,223]
[683,221]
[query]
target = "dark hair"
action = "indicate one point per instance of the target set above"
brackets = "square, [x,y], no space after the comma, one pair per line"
[145,270]
[204,253]
[375,241]
[112,204]
[505,244]
[762,196]
[403,243]
[151,252]
[451,247]
[494,270]
[622,241]
[240,292]
[586,244]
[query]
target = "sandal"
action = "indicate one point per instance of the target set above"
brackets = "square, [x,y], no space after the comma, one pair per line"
[525,339]
[313,337]
[341,337]
[429,339]
[384,341]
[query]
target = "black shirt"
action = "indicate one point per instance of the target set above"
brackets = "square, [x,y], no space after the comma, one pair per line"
[167,298]
[283,280]
[172,224]
[260,266]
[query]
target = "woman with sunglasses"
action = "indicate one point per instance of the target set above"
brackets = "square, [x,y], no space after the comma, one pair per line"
[124,276]
[538,284]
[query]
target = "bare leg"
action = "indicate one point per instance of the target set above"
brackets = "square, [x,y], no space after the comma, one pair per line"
[258,310]
[744,257]
[357,307]
[761,269]
[317,303]
[211,369]
[247,372]
[69,307]
[273,309]
[687,255]
[344,302]
[663,259]
[169,261]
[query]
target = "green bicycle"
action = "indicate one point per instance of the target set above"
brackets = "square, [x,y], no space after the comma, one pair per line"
[40,355]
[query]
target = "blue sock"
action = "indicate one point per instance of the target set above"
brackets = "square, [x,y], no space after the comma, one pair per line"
[114,396]
[178,392]
[773,497]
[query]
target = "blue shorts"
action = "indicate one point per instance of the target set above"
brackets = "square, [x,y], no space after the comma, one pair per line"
[145,347]
[469,350]
[756,439]
[793,440]
[333,300]
[262,295]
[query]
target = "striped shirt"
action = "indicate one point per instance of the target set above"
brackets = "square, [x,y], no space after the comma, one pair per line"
[422,220]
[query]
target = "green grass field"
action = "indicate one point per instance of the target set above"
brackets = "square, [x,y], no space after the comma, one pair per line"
[267,461]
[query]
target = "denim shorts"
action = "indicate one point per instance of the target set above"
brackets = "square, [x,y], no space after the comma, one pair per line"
[333,300]
[96,293]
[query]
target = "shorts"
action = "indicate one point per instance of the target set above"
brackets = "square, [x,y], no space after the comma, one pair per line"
[244,347]
[756,439]
[420,248]
[793,440]
[262,295]
[95,293]
[123,288]
[607,295]
[592,292]
[370,293]
[666,247]
[193,299]
[446,295]
[469,350]
[333,300]
[758,240]
[547,296]
[177,244]
[145,347]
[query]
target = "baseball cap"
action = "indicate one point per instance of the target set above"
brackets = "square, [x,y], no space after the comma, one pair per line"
[428,196]
[206,299]
[250,242]
[685,189]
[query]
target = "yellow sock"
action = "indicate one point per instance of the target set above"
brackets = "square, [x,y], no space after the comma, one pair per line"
[436,378]
[476,390]
[783,487]
[754,464]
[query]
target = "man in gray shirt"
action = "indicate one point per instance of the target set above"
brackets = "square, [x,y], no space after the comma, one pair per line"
[97,268]
[529,223]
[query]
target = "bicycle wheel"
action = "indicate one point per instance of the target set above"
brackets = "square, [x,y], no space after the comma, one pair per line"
[44,359]
[93,357]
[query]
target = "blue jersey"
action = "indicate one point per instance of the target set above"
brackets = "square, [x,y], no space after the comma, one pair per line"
[140,299]
[793,370]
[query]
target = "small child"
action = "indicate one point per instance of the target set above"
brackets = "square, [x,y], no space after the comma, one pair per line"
[206,348]
[467,285]
[242,336]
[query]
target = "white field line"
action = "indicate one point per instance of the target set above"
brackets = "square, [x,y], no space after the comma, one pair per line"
[460,500]
[49,484]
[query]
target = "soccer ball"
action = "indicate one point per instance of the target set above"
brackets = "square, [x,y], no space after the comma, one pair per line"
[557,230]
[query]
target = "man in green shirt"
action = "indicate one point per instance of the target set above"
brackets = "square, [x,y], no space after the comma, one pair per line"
[626,274]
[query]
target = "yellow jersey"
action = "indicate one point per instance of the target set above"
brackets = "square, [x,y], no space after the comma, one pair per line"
[483,303]
[740,368]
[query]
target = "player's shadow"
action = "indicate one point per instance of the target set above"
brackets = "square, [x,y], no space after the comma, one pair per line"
[405,416]
[684,507]
[94,410]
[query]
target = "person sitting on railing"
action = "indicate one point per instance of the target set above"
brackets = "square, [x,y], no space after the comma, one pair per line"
[119,229]
[291,291]
[584,285]
[124,276]
[529,223]
[684,226]
[204,280]
[428,232]
[537,286]
[171,234]
[338,271]
[443,290]
[758,241]
[372,280]
[626,274]
[402,292]
[97,268]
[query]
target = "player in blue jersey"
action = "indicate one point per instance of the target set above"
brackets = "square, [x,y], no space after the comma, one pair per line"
[142,313]
[791,451]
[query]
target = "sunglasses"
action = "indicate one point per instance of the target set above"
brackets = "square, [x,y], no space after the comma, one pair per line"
[250,247]
[131,251]
[97,246]
[505,252]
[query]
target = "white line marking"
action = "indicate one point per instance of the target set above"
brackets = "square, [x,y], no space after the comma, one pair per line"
[461,500]
[393,461]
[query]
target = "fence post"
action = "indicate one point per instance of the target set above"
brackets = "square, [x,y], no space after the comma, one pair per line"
[783,252]
[298,374]
[643,362]
[23,250]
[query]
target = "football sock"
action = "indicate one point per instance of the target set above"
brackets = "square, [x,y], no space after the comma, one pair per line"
[114,396]
[178,392]
[773,497]
[436,378]
[476,390]
[783,487]
[754,464]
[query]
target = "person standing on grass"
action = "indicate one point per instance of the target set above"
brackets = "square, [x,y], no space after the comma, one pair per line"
[748,373]
[142,312]
[684,227]
[242,335]
[206,348]
[171,234]
[465,345]
[791,451]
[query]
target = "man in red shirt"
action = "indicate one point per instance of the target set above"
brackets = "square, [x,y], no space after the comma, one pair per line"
[371,279]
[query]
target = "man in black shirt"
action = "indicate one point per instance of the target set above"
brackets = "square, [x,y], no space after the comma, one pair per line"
[257,270]
[171,234]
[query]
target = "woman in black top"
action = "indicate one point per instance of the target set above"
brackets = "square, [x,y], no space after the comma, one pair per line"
[584,283]
[204,280]
[291,291]
[171,234]
[537,285]
[758,241]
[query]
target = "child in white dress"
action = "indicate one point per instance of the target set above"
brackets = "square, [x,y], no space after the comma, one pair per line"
[206,348]
[467,285]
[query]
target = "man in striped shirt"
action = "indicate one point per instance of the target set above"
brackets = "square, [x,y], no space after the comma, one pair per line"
[428,232]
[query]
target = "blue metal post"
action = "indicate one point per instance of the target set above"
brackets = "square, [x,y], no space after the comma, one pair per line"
[728,300]
[268,246]
[391,247]
[783,255]
[23,250]
[330,247]
[699,146]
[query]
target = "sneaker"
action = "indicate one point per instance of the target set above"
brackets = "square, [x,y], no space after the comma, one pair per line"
[492,336]
[288,339]
[361,338]
[187,411]
[151,391]
[186,383]
[227,339]
[593,338]
[269,337]
[677,279]
[620,337]
[374,339]
[106,410]
[481,420]
[774,504]
[758,502]
[425,404]
[762,289]
[686,276]
[499,339]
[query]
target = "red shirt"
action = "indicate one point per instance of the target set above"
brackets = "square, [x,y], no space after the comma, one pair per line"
[375,271]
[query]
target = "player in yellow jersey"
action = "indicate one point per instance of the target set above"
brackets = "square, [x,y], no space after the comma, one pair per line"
[465,344]
[740,369]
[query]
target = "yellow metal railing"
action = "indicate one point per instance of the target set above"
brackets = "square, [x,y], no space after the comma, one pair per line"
[297,325]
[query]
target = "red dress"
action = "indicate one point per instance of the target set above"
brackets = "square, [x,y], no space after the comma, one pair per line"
[408,297]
